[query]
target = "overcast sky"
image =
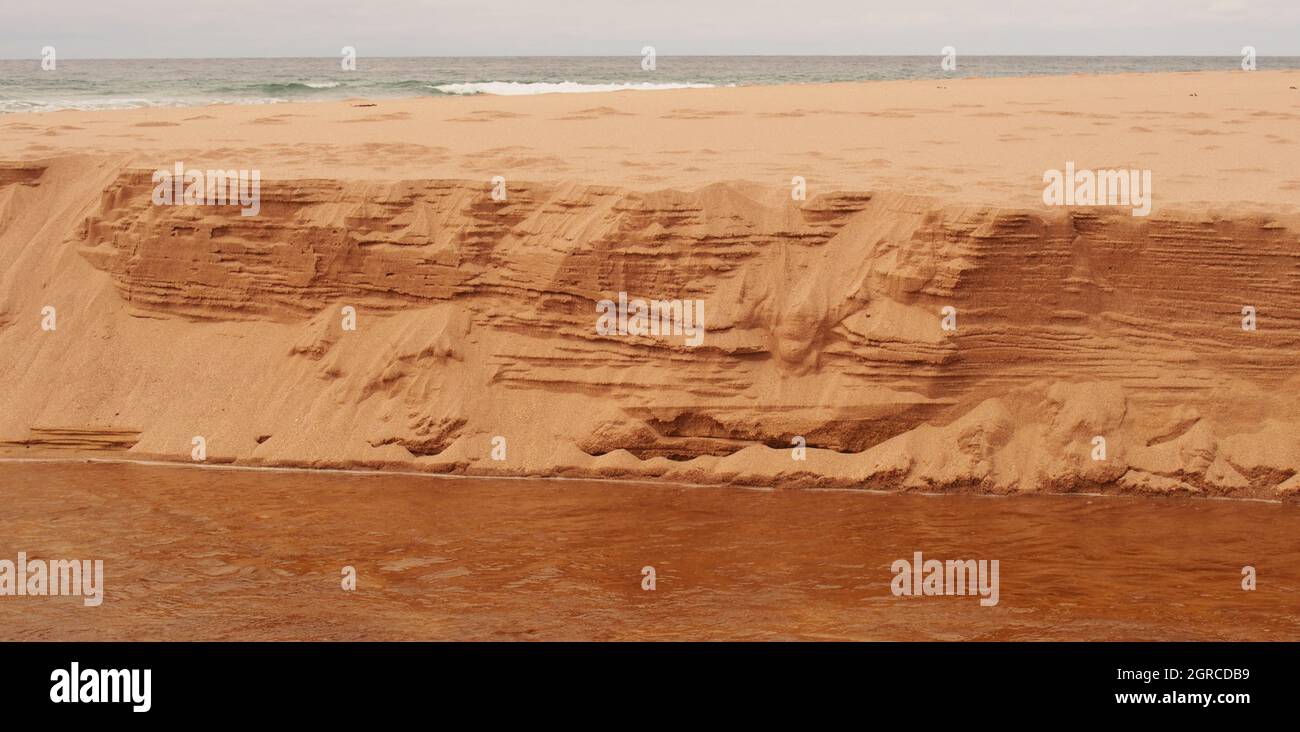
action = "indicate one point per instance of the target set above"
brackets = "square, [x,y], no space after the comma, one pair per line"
[235,28]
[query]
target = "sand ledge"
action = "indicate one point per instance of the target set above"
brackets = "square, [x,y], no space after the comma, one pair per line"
[475,317]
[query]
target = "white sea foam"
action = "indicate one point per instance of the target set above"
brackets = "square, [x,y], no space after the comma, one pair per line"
[506,88]
[51,105]
[514,88]
[107,103]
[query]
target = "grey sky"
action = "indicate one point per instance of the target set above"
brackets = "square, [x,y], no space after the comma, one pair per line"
[232,28]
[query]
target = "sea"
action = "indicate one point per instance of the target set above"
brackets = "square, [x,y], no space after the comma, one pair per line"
[88,84]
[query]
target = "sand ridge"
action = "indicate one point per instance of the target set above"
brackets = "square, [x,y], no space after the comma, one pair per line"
[475,316]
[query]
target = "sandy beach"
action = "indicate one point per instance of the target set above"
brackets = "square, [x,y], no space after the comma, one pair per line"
[474,350]
[1214,138]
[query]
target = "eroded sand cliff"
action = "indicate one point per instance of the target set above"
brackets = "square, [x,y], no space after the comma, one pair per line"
[475,317]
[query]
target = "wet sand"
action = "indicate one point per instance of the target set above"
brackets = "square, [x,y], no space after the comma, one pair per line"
[211,554]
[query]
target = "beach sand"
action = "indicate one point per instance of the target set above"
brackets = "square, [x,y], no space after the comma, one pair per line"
[475,317]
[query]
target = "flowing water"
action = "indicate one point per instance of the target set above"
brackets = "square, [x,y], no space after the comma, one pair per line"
[217,554]
[128,83]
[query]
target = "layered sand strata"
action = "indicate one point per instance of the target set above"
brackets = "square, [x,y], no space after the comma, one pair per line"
[475,316]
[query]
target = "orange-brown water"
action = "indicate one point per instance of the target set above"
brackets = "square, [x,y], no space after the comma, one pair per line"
[206,554]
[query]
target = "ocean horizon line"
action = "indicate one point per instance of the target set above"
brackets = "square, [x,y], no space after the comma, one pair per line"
[36,56]
[55,83]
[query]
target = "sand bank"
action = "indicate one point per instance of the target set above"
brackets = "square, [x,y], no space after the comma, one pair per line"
[475,317]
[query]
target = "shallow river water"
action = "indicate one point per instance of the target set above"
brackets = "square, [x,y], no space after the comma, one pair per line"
[215,554]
